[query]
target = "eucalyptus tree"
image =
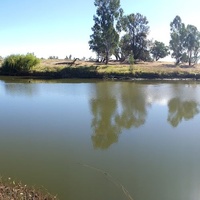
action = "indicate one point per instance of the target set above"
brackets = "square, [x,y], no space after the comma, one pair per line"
[185,42]
[105,37]
[159,50]
[192,44]
[178,34]
[124,48]
[136,31]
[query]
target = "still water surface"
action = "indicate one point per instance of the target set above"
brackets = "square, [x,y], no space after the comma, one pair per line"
[102,140]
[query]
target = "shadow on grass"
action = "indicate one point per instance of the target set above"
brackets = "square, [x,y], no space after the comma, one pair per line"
[91,72]
[180,65]
[80,72]
[169,65]
[186,66]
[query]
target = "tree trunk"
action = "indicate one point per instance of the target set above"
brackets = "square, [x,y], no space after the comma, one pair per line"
[190,58]
[117,56]
[107,58]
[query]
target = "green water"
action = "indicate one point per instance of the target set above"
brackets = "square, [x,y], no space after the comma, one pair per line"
[102,140]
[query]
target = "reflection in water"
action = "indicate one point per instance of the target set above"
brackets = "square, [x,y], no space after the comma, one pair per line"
[123,106]
[179,110]
[50,133]
[133,105]
[108,121]
[21,89]
[104,108]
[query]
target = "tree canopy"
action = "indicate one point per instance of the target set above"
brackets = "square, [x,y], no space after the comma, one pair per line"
[127,35]
[136,30]
[105,38]
[185,42]
[159,50]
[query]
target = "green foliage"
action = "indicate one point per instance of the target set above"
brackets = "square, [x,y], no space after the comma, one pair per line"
[135,39]
[105,38]
[53,57]
[131,62]
[192,44]
[185,42]
[80,72]
[131,59]
[124,47]
[1,60]
[68,57]
[178,32]
[159,50]
[19,63]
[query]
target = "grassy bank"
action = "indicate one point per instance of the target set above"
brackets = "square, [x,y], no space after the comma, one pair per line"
[9,189]
[114,70]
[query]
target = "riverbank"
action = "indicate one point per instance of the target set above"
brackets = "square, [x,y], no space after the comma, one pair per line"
[114,70]
[9,189]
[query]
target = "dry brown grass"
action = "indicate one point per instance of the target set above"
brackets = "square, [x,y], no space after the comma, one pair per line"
[116,67]
[11,190]
[149,67]
[166,67]
[87,69]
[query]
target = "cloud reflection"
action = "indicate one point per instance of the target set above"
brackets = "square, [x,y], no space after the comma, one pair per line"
[119,106]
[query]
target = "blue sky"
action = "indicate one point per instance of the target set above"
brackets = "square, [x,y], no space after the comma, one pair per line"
[62,27]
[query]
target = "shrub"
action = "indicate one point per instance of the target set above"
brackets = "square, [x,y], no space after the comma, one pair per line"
[19,63]
[1,60]
[53,57]
[131,59]
[131,62]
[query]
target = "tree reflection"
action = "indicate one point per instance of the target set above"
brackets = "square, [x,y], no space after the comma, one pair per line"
[104,108]
[20,89]
[114,109]
[134,107]
[179,110]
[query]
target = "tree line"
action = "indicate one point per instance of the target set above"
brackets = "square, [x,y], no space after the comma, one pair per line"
[110,22]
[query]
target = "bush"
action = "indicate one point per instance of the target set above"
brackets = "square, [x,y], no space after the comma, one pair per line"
[131,62]
[131,59]
[1,60]
[19,63]
[53,57]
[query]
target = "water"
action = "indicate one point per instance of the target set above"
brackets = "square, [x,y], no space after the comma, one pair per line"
[102,139]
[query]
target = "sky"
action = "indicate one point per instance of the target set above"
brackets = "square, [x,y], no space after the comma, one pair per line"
[63,27]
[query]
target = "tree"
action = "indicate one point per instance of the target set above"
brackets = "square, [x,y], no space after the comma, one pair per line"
[185,42]
[135,39]
[178,33]
[105,38]
[159,50]
[53,57]
[123,51]
[192,44]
